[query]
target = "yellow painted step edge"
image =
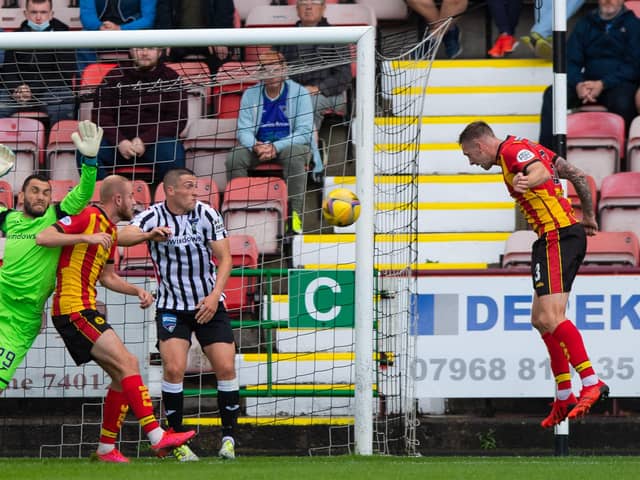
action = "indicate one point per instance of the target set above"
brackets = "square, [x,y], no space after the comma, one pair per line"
[464,90]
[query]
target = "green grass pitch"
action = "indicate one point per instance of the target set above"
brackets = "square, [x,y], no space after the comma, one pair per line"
[333,468]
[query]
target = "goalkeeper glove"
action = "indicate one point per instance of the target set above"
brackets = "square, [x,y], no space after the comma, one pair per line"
[87,140]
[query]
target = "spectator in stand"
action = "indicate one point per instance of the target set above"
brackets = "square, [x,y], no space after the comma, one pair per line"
[113,15]
[142,107]
[602,64]
[429,13]
[328,86]
[38,80]
[540,39]
[506,14]
[275,124]
[172,14]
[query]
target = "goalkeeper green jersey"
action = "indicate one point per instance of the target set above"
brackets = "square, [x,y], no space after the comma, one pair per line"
[28,272]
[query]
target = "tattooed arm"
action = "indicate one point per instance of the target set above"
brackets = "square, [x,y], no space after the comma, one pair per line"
[578,178]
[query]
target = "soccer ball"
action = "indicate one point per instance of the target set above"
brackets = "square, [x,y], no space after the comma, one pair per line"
[341,207]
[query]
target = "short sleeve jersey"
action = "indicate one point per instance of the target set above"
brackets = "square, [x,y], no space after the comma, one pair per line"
[184,264]
[545,207]
[82,264]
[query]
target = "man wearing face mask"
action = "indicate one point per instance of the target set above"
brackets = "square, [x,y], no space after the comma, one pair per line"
[38,80]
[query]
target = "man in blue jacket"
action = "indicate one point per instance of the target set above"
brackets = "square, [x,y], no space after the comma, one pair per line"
[602,64]
[327,86]
[275,124]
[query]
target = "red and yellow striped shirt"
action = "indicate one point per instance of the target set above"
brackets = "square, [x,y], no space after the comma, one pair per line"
[545,207]
[81,265]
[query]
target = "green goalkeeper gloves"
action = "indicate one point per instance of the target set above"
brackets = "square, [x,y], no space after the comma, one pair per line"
[87,140]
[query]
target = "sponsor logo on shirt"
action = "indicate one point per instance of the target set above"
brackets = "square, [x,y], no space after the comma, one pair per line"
[525,156]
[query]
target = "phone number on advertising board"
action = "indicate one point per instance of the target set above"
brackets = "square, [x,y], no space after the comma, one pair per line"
[526,369]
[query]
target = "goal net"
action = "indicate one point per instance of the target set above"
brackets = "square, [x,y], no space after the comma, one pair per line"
[323,316]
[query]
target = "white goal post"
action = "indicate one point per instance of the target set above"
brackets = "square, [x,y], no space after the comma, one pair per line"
[364,37]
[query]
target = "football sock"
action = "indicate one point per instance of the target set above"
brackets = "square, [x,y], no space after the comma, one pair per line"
[137,395]
[114,412]
[173,401]
[229,405]
[559,366]
[571,343]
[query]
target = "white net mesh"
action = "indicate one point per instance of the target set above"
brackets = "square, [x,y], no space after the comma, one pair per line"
[295,361]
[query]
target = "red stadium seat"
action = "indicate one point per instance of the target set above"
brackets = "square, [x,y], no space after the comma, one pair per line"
[241,291]
[206,144]
[91,78]
[613,249]
[196,78]
[252,53]
[232,79]
[620,203]
[257,206]
[633,145]
[517,250]
[59,188]
[135,259]
[141,194]
[6,194]
[61,151]
[595,143]
[26,137]
[575,200]
[206,191]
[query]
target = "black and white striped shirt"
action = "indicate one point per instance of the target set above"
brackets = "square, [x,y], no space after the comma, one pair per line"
[184,267]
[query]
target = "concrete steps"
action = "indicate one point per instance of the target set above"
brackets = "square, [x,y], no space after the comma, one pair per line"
[464,250]
[444,203]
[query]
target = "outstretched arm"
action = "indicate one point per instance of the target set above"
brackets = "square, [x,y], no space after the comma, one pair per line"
[52,237]
[133,235]
[87,140]
[579,180]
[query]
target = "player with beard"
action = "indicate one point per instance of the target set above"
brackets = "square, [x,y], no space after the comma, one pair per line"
[88,242]
[28,273]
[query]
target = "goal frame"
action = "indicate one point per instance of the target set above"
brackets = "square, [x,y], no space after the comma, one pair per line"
[364,37]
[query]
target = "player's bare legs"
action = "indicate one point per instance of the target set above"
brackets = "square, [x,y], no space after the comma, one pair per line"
[127,390]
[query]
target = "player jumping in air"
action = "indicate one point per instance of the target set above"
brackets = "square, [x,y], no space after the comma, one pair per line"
[531,173]
[28,272]
[85,331]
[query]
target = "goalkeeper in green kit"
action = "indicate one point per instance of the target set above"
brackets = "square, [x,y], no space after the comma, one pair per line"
[28,273]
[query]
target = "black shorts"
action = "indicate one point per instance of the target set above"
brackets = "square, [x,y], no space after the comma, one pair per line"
[80,331]
[180,324]
[555,259]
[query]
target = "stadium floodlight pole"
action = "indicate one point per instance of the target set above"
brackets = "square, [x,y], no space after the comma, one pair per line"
[363,401]
[365,107]
[561,431]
